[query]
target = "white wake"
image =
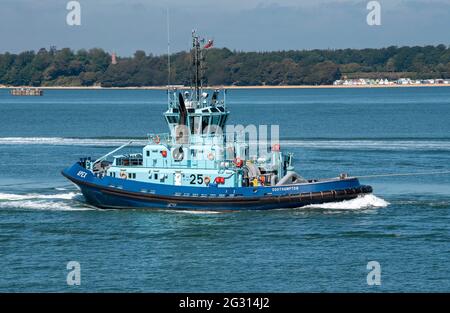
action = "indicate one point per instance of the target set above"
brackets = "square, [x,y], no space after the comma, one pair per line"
[362,202]
[34,201]
[61,141]
[15,197]
[371,144]
[364,144]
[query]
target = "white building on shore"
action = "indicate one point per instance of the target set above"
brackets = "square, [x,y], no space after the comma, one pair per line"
[386,82]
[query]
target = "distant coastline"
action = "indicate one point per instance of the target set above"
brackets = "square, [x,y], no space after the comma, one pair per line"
[256,70]
[230,87]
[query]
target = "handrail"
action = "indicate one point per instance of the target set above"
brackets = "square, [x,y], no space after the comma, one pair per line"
[114,151]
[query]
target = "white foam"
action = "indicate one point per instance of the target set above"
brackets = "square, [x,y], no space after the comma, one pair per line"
[42,205]
[60,141]
[34,201]
[16,197]
[371,144]
[359,203]
[365,144]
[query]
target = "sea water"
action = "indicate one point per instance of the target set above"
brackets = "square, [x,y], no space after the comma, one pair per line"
[404,225]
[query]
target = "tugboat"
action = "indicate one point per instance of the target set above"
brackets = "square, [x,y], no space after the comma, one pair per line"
[196,167]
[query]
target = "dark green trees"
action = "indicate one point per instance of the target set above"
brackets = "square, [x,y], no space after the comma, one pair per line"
[223,67]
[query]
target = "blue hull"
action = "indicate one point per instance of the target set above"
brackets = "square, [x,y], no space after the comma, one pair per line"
[115,193]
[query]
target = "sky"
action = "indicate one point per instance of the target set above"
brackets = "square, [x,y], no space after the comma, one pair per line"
[124,26]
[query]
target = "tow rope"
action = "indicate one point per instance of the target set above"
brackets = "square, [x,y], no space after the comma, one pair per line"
[403,174]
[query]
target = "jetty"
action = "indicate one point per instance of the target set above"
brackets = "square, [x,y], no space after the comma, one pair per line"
[26,92]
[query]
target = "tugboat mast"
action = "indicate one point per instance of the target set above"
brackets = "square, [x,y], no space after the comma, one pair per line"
[196,60]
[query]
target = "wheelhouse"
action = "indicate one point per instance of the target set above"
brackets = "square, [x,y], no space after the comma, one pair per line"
[202,117]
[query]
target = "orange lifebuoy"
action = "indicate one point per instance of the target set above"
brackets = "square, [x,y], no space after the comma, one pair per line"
[156,139]
[210,156]
[262,179]
[123,175]
[207,180]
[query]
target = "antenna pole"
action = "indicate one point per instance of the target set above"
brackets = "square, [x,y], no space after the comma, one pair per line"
[168,49]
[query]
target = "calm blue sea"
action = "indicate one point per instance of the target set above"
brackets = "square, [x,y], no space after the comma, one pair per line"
[405,226]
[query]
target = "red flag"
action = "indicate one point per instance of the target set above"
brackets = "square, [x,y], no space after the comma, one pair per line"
[209,44]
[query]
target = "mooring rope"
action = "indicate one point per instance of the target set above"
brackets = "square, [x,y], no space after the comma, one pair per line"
[403,174]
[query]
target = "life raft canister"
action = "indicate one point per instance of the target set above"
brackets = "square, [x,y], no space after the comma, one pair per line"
[238,162]
[123,175]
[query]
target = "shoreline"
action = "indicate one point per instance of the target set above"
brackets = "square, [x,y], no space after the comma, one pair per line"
[228,87]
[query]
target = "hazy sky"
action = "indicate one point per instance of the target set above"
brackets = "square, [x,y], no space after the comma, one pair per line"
[125,26]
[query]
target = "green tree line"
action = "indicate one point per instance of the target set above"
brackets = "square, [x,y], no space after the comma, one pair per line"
[65,67]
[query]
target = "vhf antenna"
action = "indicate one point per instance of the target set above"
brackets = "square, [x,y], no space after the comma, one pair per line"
[168,49]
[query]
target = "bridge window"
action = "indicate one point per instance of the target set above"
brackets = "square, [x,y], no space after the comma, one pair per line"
[215,120]
[195,122]
[191,124]
[172,119]
[205,122]
[224,120]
